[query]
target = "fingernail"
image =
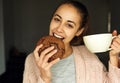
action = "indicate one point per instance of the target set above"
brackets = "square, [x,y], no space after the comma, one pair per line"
[41,44]
[55,50]
[118,36]
[58,59]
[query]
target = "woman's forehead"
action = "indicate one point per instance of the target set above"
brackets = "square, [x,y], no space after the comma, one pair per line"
[68,12]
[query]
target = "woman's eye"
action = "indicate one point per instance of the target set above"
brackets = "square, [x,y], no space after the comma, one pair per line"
[69,25]
[56,19]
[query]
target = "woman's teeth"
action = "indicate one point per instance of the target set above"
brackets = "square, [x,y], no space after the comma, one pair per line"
[58,36]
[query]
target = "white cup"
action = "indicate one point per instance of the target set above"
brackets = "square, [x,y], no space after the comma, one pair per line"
[97,43]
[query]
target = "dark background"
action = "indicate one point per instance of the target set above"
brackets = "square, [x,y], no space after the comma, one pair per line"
[23,22]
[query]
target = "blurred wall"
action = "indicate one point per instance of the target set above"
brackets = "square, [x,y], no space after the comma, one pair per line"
[98,10]
[115,15]
[2,54]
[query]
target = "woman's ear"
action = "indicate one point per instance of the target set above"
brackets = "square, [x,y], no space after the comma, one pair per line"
[79,31]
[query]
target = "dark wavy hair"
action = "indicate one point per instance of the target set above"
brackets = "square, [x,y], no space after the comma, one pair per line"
[78,40]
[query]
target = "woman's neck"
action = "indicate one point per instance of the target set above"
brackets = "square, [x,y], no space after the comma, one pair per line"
[68,51]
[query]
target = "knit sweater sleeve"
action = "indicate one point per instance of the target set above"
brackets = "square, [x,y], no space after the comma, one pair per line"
[31,73]
[95,71]
[114,73]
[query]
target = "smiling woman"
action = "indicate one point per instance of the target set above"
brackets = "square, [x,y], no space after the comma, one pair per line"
[64,20]
[78,64]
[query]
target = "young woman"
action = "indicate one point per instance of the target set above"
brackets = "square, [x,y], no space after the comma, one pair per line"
[78,65]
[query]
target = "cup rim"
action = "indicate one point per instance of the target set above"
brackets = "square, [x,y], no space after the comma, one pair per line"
[97,34]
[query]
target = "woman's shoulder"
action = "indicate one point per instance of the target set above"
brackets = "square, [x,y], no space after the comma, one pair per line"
[31,70]
[30,56]
[85,53]
[82,48]
[29,59]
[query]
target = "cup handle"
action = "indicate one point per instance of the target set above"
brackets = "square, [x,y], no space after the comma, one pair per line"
[109,49]
[112,39]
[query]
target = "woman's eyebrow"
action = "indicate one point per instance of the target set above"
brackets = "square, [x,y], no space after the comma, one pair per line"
[58,16]
[67,20]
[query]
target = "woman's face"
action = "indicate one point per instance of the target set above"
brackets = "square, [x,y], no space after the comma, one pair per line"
[65,23]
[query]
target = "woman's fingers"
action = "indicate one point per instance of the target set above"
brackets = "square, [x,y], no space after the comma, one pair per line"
[45,52]
[36,54]
[45,64]
[116,45]
[50,54]
[114,33]
[53,62]
[43,57]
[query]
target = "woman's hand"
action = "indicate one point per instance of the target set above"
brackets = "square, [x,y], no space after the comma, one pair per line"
[114,53]
[42,62]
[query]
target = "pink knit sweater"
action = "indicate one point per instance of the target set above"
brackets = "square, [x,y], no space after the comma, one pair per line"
[89,69]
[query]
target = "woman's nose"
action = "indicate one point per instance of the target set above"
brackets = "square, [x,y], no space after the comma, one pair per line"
[60,28]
